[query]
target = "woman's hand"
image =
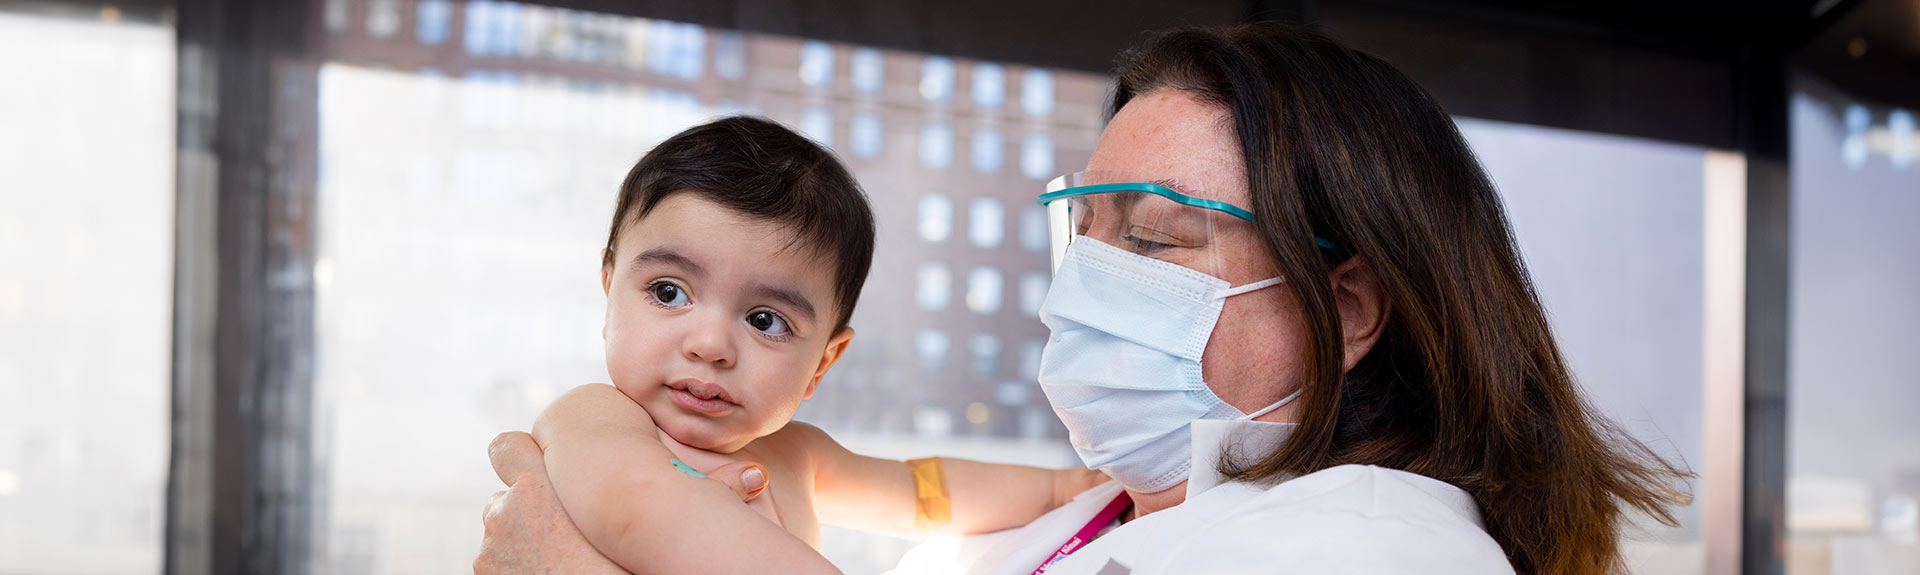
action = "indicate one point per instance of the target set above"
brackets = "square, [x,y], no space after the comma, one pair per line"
[526,530]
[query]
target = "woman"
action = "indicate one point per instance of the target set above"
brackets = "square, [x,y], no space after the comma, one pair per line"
[1359,376]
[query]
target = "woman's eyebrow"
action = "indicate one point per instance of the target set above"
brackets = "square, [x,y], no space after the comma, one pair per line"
[793,298]
[669,257]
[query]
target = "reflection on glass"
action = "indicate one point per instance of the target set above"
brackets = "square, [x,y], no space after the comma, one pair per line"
[983,290]
[1036,92]
[935,286]
[936,78]
[868,71]
[986,220]
[936,217]
[989,150]
[936,146]
[989,85]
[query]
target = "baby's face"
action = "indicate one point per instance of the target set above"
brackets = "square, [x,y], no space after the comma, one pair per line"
[719,325]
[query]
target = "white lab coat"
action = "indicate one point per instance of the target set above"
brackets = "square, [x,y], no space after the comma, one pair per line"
[1348,519]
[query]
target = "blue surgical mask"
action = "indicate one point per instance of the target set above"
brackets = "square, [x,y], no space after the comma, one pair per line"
[1122,367]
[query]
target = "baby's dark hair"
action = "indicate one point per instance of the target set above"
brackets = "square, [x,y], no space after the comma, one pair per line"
[761,169]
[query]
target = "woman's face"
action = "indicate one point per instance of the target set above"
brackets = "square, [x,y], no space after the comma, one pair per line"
[1254,356]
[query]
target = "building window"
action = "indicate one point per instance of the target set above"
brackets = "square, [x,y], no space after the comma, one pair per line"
[989,150]
[986,354]
[936,146]
[985,222]
[935,286]
[433,25]
[817,124]
[866,135]
[989,85]
[1036,157]
[984,286]
[932,346]
[936,217]
[936,78]
[1033,228]
[1033,291]
[816,64]
[1036,92]
[868,71]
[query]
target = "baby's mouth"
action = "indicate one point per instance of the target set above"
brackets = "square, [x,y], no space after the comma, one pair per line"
[701,396]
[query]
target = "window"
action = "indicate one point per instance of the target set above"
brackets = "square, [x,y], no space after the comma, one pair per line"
[433,23]
[989,150]
[983,290]
[869,71]
[936,217]
[989,85]
[86,299]
[936,146]
[1036,92]
[866,136]
[936,78]
[935,286]
[986,222]
[816,64]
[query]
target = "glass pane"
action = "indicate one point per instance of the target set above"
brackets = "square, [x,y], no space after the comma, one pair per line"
[86,301]
[1853,443]
[463,205]
[1612,230]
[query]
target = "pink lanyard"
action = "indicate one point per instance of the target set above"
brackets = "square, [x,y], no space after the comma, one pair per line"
[1086,534]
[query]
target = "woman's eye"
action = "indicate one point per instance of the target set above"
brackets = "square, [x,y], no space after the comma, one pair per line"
[1138,245]
[768,323]
[667,294]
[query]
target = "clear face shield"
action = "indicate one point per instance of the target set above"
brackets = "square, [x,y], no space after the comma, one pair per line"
[1160,219]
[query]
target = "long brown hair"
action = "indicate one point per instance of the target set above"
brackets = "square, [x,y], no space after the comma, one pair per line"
[1466,384]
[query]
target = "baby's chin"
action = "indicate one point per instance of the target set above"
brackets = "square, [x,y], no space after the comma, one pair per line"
[699,432]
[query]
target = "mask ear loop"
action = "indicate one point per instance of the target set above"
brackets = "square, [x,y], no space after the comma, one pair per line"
[1262,284]
[1276,405]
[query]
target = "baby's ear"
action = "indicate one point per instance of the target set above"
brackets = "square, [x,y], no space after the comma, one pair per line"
[606,278]
[835,347]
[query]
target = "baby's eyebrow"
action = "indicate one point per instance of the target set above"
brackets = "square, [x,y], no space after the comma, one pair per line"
[784,295]
[669,257]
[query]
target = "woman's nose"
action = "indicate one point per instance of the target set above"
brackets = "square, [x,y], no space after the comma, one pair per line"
[709,340]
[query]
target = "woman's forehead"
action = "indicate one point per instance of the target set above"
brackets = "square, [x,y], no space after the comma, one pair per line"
[1170,137]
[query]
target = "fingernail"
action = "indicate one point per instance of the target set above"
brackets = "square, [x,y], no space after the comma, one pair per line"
[754,479]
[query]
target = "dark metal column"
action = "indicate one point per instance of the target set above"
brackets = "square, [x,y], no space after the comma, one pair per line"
[239,497]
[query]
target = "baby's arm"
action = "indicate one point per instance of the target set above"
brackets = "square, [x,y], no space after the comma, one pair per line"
[877,495]
[614,479]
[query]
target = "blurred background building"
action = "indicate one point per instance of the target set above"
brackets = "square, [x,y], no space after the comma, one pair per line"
[272,274]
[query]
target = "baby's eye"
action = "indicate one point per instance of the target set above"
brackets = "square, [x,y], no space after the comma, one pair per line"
[667,294]
[769,323]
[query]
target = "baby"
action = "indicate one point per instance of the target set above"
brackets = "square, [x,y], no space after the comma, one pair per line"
[737,251]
